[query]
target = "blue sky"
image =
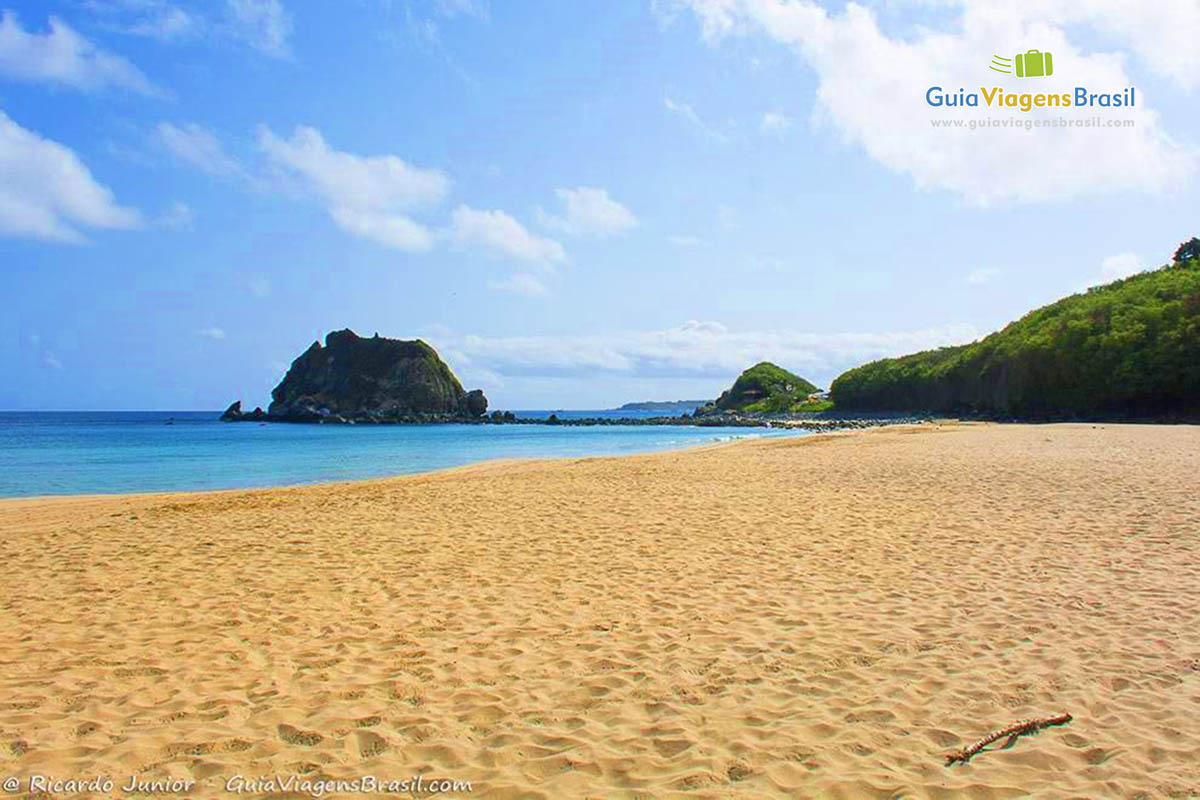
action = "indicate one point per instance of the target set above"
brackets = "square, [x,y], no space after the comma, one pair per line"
[579,204]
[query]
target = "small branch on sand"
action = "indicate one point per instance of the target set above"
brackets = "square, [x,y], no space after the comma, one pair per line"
[1021,728]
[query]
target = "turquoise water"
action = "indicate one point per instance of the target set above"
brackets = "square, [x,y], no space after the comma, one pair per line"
[137,451]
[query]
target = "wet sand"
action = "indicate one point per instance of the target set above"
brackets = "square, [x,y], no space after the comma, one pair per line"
[815,617]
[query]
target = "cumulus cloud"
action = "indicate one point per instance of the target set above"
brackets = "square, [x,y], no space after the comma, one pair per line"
[62,56]
[502,235]
[1161,34]
[366,196]
[694,349]
[589,211]
[878,103]
[46,191]
[196,146]
[378,197]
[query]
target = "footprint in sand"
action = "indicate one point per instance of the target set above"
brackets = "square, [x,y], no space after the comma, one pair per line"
[300,738]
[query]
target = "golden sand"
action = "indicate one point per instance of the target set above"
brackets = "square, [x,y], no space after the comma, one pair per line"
[815,617]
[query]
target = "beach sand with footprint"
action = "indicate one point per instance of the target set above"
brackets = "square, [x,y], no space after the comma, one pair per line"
[815,617]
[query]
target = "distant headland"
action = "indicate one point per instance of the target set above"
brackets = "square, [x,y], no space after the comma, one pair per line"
[669,406]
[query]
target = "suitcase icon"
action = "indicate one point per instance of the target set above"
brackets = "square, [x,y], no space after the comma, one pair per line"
[1034,64]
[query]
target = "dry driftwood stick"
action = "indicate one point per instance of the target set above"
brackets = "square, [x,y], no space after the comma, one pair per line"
[1012,732]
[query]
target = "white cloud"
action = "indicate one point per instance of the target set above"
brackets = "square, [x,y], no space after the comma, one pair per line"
[587,210]
[775,123]
[51,360]
[347,179]
[685,241]
[978,277]
[1162,34]
[156,19]
[216,334]
[367,196]
[694,349]
[1121,265]
[871,89]
[686,112]
[396,231]
[262,24]
[179,217]
[522,283]
[62,56]
[502,234]
[46,192]
[197,146]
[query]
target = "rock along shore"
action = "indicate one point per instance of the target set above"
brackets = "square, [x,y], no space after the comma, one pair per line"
[816,422]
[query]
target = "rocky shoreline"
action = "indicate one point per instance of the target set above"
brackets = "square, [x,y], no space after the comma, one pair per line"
[728,419]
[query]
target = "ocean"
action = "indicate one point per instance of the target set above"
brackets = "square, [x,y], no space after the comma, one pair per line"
[86,452]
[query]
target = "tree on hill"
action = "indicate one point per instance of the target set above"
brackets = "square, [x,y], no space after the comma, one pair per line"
[1188,251]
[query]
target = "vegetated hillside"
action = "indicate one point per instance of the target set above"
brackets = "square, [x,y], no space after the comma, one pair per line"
[1129,348]
[765,388]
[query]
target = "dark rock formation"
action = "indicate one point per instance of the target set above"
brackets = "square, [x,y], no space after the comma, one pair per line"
[476,403]
[233,413]
[353,379]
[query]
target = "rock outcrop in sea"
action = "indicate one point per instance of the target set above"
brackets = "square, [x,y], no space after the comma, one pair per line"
[356,379]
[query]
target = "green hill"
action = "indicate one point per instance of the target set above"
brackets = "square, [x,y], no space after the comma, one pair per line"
[1129,348]
[766,388]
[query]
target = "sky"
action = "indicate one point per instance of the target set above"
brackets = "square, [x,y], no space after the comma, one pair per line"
[578,204]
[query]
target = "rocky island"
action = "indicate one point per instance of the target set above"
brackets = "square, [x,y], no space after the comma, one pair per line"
[354,379]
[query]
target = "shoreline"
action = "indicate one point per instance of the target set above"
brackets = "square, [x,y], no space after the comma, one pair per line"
[474,465]
[747,439]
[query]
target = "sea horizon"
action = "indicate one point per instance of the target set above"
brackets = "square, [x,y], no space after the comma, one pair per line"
[47,453]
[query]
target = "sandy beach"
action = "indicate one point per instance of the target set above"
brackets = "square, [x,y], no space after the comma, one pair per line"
[818,617]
